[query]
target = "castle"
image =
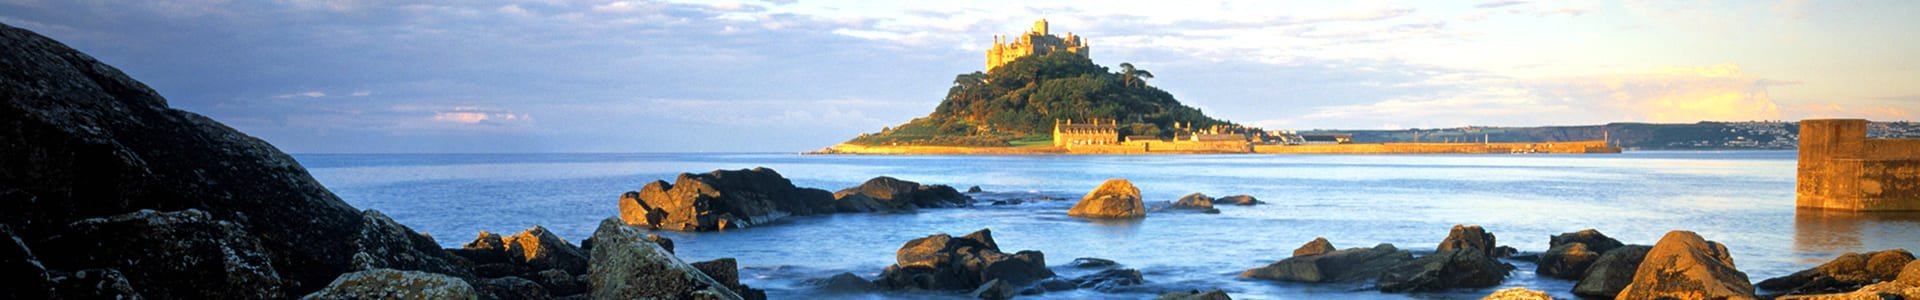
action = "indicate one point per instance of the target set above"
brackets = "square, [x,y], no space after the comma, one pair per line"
[1034,42]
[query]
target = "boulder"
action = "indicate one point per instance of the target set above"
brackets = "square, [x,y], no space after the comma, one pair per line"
[974,190]
[1090,262]
[1195,295]
[1877,291]
[1237,200]
[845,282]
[385,244]
[486,248]
[943,262]
[1595,241]
[1318,246]
[1684,265]
[1611,272]
[625,265]
[171,255]
[1469,237]
[1518,293]
[395,284]
[25,276]
[1349,265]
[1450,269]
[1196,201]
[538,249]
[510,288]
[1910,274]
[1110,279]
[559,283]
[1566,261]
[1845,273]
[1114,199]
[995,290]
[83,140]
[727,272]
[722,199]
[888,193]
[94,284]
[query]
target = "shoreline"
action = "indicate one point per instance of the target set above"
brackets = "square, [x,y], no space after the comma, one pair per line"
[1573,147]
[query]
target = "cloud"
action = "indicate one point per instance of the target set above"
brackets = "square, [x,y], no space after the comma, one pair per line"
[311,94]
[515,10]
[1677,94]
[361,93]
[1497,4]
[476,115]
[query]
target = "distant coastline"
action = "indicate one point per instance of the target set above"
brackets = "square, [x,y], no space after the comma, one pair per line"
[1573,147]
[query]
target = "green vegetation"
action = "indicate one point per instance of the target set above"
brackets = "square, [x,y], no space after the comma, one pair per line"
[1017,104]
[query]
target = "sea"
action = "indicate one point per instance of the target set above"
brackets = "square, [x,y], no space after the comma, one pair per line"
[1743,199]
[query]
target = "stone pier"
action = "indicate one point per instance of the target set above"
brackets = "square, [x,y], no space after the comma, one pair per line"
[1841,169]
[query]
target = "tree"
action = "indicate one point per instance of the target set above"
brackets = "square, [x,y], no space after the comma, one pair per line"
[1132,77]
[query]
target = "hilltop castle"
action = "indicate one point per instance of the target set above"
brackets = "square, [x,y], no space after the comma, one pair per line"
[1034,42]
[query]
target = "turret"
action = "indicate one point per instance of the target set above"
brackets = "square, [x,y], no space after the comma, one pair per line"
[1040,27]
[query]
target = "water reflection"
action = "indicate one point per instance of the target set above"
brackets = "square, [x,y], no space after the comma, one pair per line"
[1834,232]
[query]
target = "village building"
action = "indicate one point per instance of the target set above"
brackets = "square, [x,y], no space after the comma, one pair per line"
[1092,133]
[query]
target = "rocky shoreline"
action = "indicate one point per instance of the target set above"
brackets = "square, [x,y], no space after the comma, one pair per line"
[107,192]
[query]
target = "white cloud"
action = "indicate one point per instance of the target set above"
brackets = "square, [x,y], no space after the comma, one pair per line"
[310,94]
[514,10]
[361,93]
[476,115]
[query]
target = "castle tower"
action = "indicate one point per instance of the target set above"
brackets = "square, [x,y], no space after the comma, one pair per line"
[1040,27]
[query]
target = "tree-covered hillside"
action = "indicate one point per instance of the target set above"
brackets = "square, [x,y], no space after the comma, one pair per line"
[1017,104]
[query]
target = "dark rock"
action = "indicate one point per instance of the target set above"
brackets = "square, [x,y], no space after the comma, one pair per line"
[1893,290]
[1237,200]
[1450,269]
[722,199]
[664,242]
[1349,265]
[625,265]
[560,283]
[1505,252]
[395,284]
[510,288]
[539,249]
[845,282]
[1469,236]
[974,189]
[385,244]
[1595,241]
[889,194]
[1110,280]
[1684,265]
[1114,199]
[1089,263]
[1195,201]
[82,140]
[485,249]
[1566,261]
[1318,246]
[1195,295]
[170,255]
[994,289]
[95,284]
[942,262]
[727,272]
[1612,272]
[1845,273]
[25,276]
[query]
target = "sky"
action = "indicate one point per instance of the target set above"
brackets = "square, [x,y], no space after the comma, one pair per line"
[367,76]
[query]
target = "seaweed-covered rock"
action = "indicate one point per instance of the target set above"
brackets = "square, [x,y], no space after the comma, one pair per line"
[1348,265]
[943,262]
[887,193]
[1114,199]
[395,284]
[625,265]
[721,199]
[1450,269]
[1612,272]
[1684,265]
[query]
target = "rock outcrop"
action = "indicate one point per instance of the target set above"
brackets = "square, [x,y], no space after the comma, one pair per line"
[727,272]
[170,255]
[1910,274]
[1462,237]
[1877,291]
[84,141]
[1845,273]
[395,284]
[845,282]
[1517,294]
[1612,272]
[944,262]
[722,199]
[1685,266]
[889,194]
[1196,202]
[1114,199]
[506,266]
[1449,269]
[625,265]
[1571,253]
[1237,200]
[1318,246]
[1195,295]
[1348,265]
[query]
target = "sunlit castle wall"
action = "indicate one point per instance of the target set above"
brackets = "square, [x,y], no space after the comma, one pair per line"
[1035,42]
[1841,169]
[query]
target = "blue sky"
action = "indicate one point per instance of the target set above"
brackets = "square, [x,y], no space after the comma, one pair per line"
[669,76]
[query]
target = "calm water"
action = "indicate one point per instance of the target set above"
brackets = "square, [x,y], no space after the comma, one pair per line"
[1742,199]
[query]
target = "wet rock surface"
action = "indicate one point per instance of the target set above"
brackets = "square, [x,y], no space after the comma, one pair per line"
[722,199]
[625,265]
[1684,265]
[1348,265]
[1318,246]
[1114,199]
[891,194]
[1450,269]
[1195,295]
[943,262]
[1570,254]
[1612,272]
[1237,200]
[1848,272]
[1194,202]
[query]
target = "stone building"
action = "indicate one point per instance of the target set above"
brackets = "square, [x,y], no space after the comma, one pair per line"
[1094,133]
[1841,169]
[1035,42]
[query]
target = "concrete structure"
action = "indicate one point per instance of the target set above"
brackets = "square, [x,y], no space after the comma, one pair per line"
[1841,169]
[1069,134]
[1035,42]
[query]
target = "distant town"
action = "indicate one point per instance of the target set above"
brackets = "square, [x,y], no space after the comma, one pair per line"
[1777,135]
